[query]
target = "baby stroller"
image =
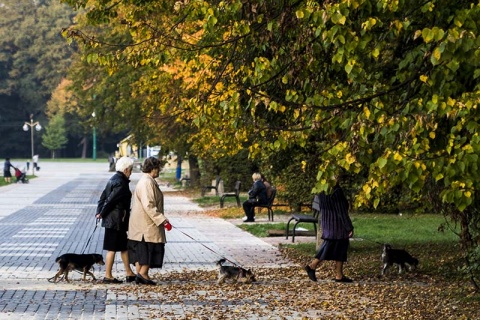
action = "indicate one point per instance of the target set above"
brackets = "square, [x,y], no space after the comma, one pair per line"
[21,176]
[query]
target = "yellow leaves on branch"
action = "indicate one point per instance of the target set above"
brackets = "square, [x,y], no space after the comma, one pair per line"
[350,158]
[369,24]
[366,111]
[397,156]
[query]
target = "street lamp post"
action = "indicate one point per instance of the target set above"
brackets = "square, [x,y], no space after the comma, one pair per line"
[94,153]
[38,127]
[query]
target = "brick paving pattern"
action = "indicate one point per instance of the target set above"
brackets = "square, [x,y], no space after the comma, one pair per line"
[54,214]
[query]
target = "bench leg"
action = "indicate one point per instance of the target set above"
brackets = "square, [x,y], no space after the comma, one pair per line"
[294,228]
[238,201]
[288,227]
[222,199]
[270,211]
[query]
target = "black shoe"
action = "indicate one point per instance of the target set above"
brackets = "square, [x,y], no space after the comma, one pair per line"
[114,280]
[344,280]
[130,278]
[311,273]
[141,280]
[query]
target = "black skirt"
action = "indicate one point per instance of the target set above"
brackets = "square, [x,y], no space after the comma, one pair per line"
[335,250]
[115,240]
[146,253]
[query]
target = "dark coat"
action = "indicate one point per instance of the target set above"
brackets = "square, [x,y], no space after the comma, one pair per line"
[258,193]
[114,203]
[7,164]
[335,222]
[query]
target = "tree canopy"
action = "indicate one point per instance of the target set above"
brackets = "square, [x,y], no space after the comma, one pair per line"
[385,90]
[33,60]
[55,136]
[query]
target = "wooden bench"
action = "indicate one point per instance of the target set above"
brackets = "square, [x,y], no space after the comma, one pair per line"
[235,194]
[269,204]
[305,218]
[215,187]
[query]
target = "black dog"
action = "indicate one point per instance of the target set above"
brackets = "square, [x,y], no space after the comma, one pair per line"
[80,262]
[396,256]
[234,272]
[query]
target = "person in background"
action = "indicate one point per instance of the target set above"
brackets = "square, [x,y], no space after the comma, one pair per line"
[7,175]
[337,229]
[268,186]
[256,195]
[146,244]
[35,163]
[114,210]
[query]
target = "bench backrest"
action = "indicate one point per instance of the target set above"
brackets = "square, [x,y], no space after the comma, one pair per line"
[316,206]
[316,203]
[238,184]
[272,196]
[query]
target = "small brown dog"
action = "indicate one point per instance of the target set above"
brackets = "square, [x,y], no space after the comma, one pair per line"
[234,272]
[81,262]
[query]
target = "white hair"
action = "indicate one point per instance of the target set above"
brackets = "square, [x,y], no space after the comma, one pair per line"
[256,176]
[124,163]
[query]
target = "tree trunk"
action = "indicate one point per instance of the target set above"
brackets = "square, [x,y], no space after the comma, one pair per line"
[194,170]
[83,142]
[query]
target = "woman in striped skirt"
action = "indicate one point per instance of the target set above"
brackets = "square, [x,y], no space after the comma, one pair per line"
[337,229]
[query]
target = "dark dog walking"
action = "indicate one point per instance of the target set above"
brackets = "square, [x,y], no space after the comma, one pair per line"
[399,257]
[234,272]
[80,262]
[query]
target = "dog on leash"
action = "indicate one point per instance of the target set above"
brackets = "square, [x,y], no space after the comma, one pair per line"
[399,257]
[80,262]
[239,274]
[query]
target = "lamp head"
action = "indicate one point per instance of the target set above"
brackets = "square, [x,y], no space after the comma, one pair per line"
[25,127]
[38,127]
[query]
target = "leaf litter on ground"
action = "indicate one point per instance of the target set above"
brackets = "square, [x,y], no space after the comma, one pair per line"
[286,292]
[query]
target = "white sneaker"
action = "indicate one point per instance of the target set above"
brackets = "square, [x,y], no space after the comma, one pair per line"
[244,219]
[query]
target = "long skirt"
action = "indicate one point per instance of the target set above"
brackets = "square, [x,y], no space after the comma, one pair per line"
[146,253]
[333,250]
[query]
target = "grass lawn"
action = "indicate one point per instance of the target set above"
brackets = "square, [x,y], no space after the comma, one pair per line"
[438,251]
[212,201]
[14,180]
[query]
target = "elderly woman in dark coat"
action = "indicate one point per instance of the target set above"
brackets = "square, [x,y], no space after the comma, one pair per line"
[337,229]
[114,210]
[256,195]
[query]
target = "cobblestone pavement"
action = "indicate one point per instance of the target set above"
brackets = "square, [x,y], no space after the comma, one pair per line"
[54,214]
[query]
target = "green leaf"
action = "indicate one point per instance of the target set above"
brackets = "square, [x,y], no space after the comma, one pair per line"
[427,35]
[382,162]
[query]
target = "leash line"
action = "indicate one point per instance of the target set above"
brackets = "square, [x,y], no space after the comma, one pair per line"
[90,238]
[380,243]
[235,264]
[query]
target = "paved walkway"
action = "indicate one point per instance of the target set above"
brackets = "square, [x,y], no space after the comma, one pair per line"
[54,214]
